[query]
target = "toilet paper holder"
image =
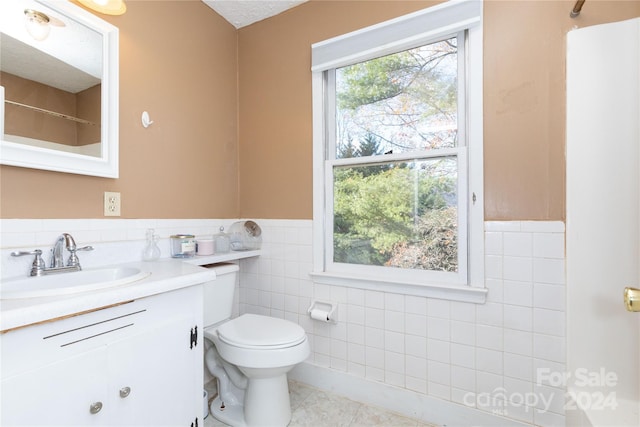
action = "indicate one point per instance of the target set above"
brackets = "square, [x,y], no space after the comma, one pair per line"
[323,311]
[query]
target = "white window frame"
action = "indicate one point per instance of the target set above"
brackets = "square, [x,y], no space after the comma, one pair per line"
[420,28]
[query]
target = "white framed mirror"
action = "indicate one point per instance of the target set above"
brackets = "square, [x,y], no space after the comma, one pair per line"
[59,74]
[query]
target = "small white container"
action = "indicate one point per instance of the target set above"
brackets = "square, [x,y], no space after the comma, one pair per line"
[204,247]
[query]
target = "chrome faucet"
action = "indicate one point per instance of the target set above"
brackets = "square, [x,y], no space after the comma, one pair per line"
[57,253]
[65,241]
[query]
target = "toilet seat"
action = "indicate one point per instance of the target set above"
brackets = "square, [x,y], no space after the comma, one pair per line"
[253,331]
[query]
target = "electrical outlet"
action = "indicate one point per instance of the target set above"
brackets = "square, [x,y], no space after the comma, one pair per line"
[111,203]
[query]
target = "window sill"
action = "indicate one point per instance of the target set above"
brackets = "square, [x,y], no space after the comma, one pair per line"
[454,293]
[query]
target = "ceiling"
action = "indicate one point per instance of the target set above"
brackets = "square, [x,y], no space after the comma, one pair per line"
[241,13]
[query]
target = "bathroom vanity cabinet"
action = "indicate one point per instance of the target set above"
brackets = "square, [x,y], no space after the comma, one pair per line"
[136,363]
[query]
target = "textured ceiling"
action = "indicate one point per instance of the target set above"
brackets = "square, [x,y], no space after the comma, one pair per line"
[241,13]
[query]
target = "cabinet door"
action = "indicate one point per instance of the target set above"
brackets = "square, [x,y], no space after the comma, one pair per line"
[59,394]
[152,380]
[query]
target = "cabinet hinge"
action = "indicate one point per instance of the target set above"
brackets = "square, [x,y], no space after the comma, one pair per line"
[194,337]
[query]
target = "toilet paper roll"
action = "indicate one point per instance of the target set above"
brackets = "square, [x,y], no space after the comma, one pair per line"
[321,315]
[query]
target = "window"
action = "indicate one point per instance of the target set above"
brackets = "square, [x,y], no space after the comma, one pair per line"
[398,155]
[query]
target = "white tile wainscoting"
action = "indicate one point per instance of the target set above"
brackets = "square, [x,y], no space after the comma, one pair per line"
[485,356]
[446,361]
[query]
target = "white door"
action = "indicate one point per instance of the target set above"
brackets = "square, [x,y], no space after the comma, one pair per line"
[151,376]
[155,375]
[603,224]
[70,392]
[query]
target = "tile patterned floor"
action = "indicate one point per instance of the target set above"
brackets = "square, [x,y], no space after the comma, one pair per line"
[312,407]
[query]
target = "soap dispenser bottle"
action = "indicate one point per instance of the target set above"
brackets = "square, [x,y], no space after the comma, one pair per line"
[151,251]
[222,242]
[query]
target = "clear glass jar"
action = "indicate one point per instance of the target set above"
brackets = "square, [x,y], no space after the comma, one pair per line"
[222,242]
[151,251]
[245,236]
[183,245]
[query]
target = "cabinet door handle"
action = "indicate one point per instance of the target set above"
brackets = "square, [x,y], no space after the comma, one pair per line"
[124,392]
[95,407]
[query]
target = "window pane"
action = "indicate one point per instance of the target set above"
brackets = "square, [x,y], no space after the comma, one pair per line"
[400,214]
[398,103]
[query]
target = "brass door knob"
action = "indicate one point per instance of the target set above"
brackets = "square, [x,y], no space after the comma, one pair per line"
[632,299]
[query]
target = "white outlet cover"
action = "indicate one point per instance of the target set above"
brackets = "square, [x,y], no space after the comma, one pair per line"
[111,203]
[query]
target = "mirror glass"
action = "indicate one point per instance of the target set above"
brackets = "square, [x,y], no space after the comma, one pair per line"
[58,72]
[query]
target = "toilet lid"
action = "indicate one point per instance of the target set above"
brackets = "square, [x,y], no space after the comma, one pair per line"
[255,331]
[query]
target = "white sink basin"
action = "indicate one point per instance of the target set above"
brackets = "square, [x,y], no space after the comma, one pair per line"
[70,282]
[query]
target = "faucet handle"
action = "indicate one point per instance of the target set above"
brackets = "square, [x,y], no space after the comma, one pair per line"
[23,253]
[73,258]
[38,266]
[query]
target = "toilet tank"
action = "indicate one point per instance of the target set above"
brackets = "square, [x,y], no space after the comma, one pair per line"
[218,293]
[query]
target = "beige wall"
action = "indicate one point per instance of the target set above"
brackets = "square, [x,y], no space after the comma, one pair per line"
[89,108]
[524,102]
[275,100]
[31,124]
[180,61]
[524,90]
[28,123]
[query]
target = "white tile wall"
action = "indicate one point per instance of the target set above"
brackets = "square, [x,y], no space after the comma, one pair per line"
[487,356]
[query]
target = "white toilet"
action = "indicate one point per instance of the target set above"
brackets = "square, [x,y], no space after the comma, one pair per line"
[250,357]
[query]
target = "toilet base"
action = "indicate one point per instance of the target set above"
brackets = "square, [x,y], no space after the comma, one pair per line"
[266,403]
[232,415]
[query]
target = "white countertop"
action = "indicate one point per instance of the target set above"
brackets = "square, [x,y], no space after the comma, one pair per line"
[165,275]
